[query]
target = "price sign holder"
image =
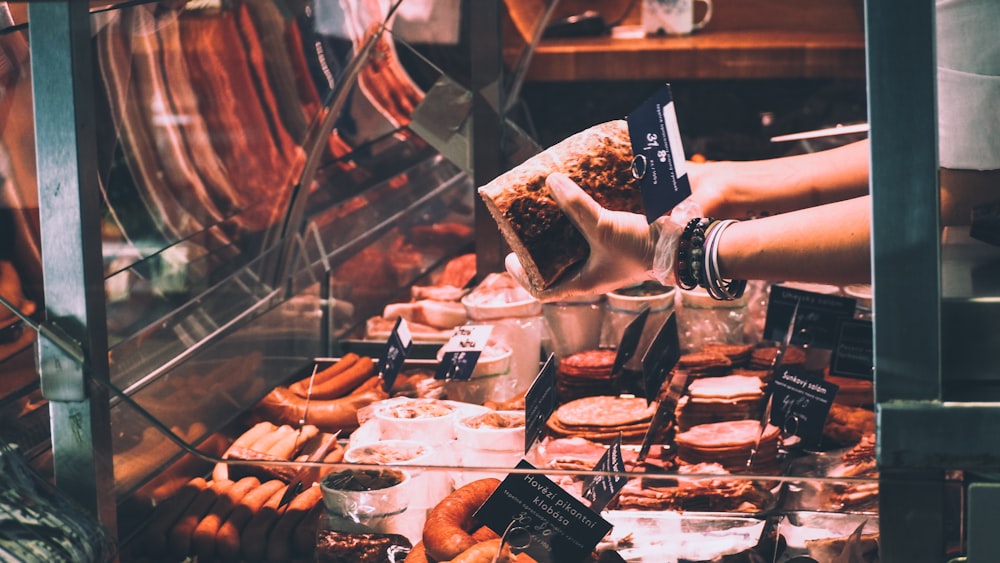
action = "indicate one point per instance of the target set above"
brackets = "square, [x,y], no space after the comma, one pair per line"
[397,348]
[461,352]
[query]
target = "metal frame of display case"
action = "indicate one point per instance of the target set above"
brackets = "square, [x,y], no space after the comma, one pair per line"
[73,344]
[922,432]
[932,420]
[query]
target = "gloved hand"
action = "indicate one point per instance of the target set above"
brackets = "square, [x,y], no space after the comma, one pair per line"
[622,246]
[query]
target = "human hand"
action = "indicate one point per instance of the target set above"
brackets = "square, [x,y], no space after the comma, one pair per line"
[622,246]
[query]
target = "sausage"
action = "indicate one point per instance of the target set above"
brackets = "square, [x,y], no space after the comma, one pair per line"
[203,537]
[264,443]
[253,539]
[166,513]
[417,554]
[344,382]
[446,531]
[301,387]
[227,540]
[279,539]
[286,447]
[372,382]
[179,539]
[284,407]
[484,552]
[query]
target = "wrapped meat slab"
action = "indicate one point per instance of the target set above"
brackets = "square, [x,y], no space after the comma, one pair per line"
[599,160]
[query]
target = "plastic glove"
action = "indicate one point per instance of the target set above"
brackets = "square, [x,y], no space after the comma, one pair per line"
[622,246]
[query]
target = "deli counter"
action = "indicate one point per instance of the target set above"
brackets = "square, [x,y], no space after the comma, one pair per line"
[245,240]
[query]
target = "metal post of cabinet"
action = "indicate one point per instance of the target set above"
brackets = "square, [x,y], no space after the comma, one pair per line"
[69,208]
[906,259]
[486,136]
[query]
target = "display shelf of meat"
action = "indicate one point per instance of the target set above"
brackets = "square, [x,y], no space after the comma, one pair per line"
[692,499]
[262,196]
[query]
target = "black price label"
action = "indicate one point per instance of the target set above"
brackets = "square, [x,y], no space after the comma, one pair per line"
[817,320]
[658,163]
[562,529]
[462,351]
[853,355]
[661,357]
[600,490]
[630,341]
[800,405]
[539,403]
[397,348]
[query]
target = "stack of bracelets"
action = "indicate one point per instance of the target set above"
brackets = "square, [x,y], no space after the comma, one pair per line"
[698,259]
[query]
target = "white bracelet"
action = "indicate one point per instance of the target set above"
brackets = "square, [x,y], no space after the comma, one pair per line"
[717,287]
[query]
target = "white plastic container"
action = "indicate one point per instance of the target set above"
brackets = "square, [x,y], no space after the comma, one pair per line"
[377,510]
[429,486]
[490,374]
[426,420]
[575,325]
[489,439]
[625,304]
[517,322]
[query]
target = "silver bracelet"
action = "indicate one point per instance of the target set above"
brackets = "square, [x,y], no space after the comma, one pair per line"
[717,287]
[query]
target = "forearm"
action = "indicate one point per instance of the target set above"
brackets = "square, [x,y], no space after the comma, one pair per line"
[743,189]
[826,244]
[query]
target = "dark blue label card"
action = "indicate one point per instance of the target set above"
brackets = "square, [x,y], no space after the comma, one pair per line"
[461,352]
[396,350]
[539,403]
[854,353]
[600,490]
[661,357]
[658,155]
[561,527]
[801,405]
[818,317]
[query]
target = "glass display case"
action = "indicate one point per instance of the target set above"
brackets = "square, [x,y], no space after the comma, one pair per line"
[229,194]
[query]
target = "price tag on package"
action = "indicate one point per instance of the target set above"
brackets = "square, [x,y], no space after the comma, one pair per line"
[658,156]
[397,348]
[561,527]
[461,352]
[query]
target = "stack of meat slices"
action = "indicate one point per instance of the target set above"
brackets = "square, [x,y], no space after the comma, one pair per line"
[704,493]
[719,399]
[763,357]
[852,392]
[738,354]
[704,364]
[601,418]
[585,374]
[730,444]
[858,463]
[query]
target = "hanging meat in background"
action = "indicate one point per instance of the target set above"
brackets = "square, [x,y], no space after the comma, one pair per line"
[256,155]
[19,236]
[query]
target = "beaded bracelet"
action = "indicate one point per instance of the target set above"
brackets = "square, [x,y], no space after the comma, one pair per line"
[688,267]
[712,280]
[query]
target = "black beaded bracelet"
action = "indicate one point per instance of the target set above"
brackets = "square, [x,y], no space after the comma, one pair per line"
[689,265]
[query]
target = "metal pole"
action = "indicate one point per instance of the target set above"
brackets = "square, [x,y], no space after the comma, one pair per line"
[906,260]
[69,208]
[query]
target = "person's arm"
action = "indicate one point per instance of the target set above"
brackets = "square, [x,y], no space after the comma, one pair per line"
[825,244]
[759,188]
[961,190]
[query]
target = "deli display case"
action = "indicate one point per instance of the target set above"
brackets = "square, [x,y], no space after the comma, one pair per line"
[233,206]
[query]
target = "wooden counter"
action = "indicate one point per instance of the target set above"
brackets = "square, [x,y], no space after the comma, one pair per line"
[745,39]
